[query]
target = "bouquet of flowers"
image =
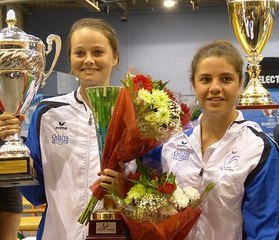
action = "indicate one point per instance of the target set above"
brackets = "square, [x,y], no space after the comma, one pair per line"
[145,115]
[155,207]
[158,114]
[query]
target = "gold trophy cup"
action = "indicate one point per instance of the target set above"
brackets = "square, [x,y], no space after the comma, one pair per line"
[22,64]
[252,23]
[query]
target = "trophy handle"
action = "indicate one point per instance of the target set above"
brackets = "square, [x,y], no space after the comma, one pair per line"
[50,39]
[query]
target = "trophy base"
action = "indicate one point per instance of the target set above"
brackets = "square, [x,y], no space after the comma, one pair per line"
[258,107]
[254,94]
[108,225]
[254,100]
[17,172]
[107,229]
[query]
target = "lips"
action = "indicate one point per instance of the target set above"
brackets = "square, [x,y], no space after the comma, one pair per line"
[215,99]
[89,70]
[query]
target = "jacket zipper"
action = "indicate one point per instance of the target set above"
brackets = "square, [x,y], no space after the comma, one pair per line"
[201,172]
[90,120]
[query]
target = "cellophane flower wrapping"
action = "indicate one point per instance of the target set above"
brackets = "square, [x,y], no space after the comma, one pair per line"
[155,207]
[175,227]
[134,128]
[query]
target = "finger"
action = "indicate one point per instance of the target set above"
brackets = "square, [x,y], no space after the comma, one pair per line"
[21,117]
[7,132]
[106,186]
[6,119]
[7,126]
[13,123]
[107,179]
[110,172]
[5,116]
[122,166]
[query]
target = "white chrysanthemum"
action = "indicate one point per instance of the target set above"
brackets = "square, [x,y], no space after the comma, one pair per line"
[160,98]
[157,114]
[152,119]
[144,95]
[180,199]
[192,193]
[163,115]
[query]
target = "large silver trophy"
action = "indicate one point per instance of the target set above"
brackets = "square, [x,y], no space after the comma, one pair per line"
[22,66]
[252,23]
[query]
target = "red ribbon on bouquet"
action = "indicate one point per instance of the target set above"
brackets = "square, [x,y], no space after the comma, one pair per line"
[175,227]
[124,141]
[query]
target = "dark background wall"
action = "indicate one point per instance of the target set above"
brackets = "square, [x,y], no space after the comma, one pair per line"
[161,44]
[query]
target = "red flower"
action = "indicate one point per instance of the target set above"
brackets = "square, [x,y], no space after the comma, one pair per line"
[142,81]
[167,188]
[186,115]
[133,176]
[170,94]
[185,108]
[185,118]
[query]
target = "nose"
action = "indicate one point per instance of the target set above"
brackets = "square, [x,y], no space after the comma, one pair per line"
[89,59]
[215,86]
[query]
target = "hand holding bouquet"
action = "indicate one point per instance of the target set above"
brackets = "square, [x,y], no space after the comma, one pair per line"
[155,207]
[144,116]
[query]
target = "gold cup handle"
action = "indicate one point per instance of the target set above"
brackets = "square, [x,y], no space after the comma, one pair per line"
[50,39]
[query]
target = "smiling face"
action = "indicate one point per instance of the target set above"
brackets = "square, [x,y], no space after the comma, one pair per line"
[217,85]
[91,57]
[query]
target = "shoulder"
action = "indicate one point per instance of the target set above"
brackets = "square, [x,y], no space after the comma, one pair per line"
[247,128]
[57,99]
[253,145]
[50,106]
[54,102]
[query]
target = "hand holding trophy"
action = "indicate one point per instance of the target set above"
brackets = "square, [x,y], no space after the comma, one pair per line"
[105,223]
[22,64]
[252,23]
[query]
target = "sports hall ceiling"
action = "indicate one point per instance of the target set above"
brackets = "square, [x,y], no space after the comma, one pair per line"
[105,5]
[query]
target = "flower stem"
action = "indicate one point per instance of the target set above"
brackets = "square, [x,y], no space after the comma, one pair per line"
[208,188]
[86,214]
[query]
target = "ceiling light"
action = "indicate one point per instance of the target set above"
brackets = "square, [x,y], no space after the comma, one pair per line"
[91,5]
[169,3]
[195,4]
[124,17]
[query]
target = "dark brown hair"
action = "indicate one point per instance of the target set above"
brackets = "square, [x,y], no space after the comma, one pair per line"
[218,48]
[99,25]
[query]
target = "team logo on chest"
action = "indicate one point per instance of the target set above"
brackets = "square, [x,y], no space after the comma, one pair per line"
[231,162]
[180,155]
[61,125]
[182,152]
[182,144]
[60,139]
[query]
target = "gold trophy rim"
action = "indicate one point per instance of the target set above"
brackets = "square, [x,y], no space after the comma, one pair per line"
[254,95]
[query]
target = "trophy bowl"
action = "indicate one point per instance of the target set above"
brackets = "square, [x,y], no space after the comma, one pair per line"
[22,65]
[252,23]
